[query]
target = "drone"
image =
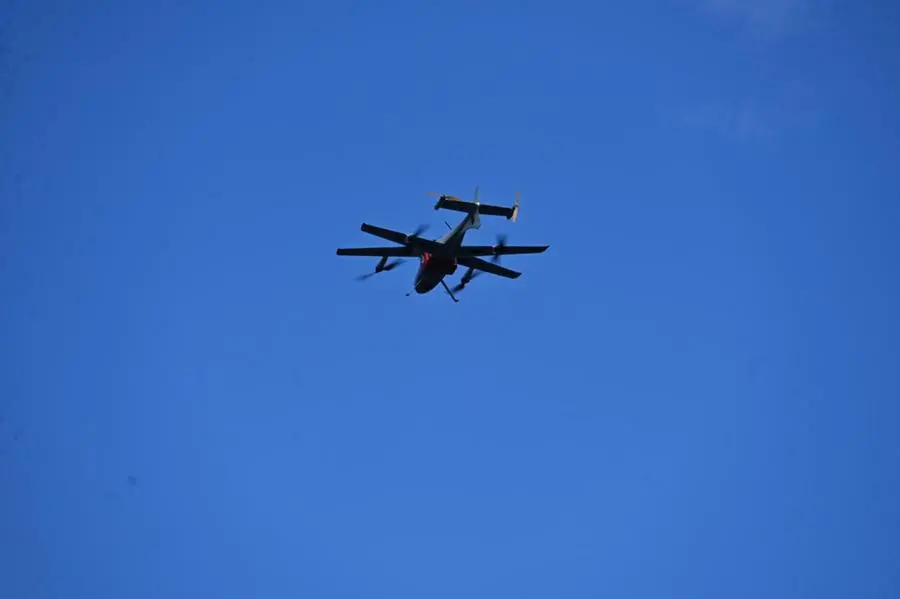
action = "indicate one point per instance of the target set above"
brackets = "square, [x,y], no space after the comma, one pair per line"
[439,258]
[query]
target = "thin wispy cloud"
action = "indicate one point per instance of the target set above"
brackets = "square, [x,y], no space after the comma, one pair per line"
[742,121]
[759,118]
[767,112]
[768,18]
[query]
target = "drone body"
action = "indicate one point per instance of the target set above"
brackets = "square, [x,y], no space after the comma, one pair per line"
[439,258]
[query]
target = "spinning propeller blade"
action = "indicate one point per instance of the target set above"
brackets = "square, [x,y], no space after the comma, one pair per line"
[442,196]
[471,273]
[419,230]
[382,266]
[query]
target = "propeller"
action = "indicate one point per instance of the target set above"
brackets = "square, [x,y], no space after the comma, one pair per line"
[382,266]
[501,243]
[471,273]
[442,196]
[419,230]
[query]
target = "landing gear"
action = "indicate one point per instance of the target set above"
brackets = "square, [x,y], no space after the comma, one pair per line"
[450,293]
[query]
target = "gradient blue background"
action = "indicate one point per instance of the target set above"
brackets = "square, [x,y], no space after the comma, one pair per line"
[693,393]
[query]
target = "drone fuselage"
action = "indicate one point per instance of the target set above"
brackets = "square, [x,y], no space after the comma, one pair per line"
[441,257]
[432,270]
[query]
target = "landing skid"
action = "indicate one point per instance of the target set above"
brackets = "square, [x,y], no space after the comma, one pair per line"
[450,293]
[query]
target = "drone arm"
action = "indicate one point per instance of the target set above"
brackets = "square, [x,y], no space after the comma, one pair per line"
[500,250]
[376,251]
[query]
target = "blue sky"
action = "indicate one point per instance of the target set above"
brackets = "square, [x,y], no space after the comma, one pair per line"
[693,393]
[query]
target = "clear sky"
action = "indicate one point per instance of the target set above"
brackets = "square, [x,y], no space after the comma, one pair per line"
[692,394]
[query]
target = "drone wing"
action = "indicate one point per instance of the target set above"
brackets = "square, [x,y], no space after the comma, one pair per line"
[500,250]
[388,234]
[376,251]
[489,267]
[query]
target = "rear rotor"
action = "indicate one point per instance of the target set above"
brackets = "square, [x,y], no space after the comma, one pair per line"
[442,196]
